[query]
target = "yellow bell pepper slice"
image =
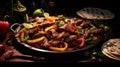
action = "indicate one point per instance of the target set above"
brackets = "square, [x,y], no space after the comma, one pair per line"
[51,27]
[61,34]
[35,40]
[59,49]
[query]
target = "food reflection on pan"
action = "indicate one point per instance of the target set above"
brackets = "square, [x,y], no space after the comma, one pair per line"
[59,33]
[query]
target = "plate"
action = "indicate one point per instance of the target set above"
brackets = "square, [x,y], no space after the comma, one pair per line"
[111,48]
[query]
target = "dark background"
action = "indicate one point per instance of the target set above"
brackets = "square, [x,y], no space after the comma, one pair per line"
[68,7]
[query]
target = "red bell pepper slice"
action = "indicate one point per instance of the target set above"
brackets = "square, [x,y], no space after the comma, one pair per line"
[74,28]
[81,41]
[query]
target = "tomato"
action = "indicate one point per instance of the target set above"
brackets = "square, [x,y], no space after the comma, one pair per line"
[4,26]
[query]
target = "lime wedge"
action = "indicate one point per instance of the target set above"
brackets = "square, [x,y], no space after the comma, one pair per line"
[46,14]
[26,25]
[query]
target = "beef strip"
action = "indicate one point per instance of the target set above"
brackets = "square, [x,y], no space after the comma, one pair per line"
[85,24]
[71,38]
[39,34]
[78,21]
[33,30]
[46,24]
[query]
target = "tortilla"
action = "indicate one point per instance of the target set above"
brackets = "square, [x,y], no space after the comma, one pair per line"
[111,48]
[95,13]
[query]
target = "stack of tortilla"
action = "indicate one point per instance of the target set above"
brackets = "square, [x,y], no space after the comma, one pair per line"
[111,48]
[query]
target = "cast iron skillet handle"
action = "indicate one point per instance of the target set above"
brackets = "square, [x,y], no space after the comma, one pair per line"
[15,27]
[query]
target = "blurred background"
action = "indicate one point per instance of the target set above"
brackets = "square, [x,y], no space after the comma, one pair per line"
[68,7]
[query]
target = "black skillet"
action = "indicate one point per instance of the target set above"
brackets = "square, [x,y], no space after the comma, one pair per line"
[27,49]
[16,27]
